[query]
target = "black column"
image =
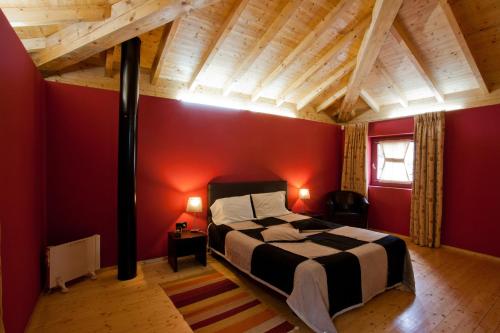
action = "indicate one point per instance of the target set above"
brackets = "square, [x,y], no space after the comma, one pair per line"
[127,152]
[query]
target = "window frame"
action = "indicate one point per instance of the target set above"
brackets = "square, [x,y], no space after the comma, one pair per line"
[374,161]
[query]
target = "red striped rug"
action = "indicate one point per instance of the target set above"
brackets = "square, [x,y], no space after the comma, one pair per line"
[210,302]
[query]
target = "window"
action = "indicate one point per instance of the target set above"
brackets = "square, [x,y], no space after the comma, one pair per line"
[392,161]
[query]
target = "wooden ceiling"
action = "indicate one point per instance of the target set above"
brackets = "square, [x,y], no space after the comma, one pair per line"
[324,60]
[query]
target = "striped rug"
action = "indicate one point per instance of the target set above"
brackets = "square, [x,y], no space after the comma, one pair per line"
[210,302]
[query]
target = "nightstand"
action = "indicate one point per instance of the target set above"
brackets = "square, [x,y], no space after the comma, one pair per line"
[188,243]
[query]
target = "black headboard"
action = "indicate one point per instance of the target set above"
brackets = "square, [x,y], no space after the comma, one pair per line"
[224,190]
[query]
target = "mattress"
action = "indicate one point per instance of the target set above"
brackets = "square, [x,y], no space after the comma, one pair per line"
[325,271]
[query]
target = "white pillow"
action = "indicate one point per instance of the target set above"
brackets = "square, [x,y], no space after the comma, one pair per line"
[279,233]
[232,209]
[269,204]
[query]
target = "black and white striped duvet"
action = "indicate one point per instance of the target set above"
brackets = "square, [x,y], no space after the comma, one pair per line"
[333,269]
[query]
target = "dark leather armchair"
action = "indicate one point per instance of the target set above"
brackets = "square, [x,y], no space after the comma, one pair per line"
[347,208]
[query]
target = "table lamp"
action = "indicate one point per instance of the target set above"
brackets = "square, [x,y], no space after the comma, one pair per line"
[304,195]
[195,206]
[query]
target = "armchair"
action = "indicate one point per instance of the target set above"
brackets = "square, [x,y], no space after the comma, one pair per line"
[347,208]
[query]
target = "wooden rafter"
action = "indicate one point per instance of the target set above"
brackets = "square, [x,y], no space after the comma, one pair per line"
[110,59]
[221,36]
[164,46]
[332,99]
[316,91]
[286,13]
[384,13]
[369,100]
[455,101]
[462,42]
[392,86]
[130,19]
[34,44]
[318,30]
[34,16]
[413,55]
[337,45]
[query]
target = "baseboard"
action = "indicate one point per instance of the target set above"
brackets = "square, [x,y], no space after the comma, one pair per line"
[448,247]
[469,252]
[139,262]
[153,260]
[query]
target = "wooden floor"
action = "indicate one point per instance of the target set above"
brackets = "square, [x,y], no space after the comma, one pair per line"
[456,292]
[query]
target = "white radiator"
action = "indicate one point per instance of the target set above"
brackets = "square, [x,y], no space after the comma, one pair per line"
[72,260]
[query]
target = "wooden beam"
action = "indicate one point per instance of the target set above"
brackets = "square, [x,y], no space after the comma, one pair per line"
[332,99]
[369,100]
[285,14]
[312,36]
[392,86]
[413,55]
[337,45]
[34,44]
[453,101]
[214,47]
[110,59]
[128,19]
[462,42]
[164,47]
[383,15]
[34,16]
[316,91]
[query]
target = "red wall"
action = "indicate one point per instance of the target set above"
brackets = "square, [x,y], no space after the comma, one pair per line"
[389,209]
[395,200]
[471,186]
[22,179]
[181,148]
[471,216]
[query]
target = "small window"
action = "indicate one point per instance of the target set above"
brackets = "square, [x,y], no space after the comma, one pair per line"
[392,162]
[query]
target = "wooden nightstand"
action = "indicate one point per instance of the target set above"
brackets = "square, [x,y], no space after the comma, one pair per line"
[188,243]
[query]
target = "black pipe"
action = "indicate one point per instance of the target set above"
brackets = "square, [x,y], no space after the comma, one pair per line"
[127,152]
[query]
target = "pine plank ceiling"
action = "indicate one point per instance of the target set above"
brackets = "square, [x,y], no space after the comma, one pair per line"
[324,60]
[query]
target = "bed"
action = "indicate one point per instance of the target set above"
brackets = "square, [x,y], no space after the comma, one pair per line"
[323,272]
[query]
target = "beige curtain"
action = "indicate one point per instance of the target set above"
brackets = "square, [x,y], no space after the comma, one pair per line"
[427,196]
[354,168]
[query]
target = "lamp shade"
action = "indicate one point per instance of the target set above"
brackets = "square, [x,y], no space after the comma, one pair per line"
[304,193]
[194,205]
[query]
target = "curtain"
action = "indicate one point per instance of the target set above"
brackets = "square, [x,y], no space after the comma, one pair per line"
[427,196]
[354,168]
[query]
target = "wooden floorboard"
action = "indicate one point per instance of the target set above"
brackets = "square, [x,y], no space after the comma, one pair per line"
[456,292]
